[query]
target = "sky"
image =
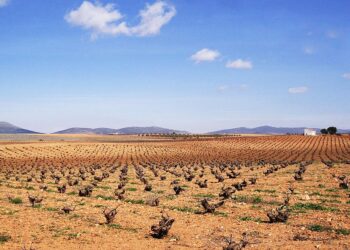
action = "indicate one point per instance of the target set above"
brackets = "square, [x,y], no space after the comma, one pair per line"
[198,65]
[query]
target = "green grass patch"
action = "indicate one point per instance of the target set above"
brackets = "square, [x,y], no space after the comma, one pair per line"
[99,205]
[331,190]
[72,193]
[184,209]
[249,199]
[204,195]
[342,231]
[29,188]
[140,202]
[170,197]
[132,189]
[248,218]
[119,227]
[312,206]
[51,209]
[106,198]
[319,228]
[16,200]
[330,201]
[269,191]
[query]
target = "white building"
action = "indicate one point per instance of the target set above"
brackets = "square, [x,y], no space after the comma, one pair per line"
[310,132]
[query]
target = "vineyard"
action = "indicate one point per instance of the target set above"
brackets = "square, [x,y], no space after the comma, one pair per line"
[262,192]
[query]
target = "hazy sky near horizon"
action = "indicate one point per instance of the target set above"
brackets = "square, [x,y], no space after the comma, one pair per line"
[197,65]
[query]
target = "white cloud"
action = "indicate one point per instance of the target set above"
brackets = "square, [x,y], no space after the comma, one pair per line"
[239,64]
[205,55]
[4,3]
[346,76]
[153,18]
[106,20]
[298,90]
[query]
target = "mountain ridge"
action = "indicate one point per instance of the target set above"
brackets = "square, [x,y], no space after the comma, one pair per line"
[125,130]
[269,130]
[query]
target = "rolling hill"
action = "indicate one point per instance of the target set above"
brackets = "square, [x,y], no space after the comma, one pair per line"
[8,128]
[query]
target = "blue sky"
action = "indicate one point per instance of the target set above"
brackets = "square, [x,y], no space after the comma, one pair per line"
[196,65]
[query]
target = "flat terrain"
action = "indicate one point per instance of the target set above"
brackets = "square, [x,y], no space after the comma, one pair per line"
[318,209]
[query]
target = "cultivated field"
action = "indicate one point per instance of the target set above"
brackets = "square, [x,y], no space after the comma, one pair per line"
[271,192]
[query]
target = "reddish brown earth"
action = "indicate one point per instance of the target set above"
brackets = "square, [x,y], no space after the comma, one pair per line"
[319,209]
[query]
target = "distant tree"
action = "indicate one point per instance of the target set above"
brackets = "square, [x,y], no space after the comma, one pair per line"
[324,131]
[332,130]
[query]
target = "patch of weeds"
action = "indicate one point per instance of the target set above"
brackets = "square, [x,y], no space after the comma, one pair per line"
[185,186]
[29,188]
[132,189]
[269,191]
[329,201]
[321,186]
[72,193]
[73,235]
[37,206]
[159,192]
[331,190]
[63,200]
[106,198]
[16,200]
[312,206]
[81,203]
[204,196]
[99,205]
[4,238]
[221,214]
[51,209]
[119,227]
[248,218]
[348,202]
[319,228]
[184,209]
[50,191]
[115,226]
[74,216]
[135,201]
[170,197]
[248,199]
[325,195]
[342,231]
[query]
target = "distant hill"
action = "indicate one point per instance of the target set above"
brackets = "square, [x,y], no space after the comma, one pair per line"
[268,130]
[124,131]
[8,128]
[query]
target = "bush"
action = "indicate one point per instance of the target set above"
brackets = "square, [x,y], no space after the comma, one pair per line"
[332,130]
[16,200]
[324,131]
